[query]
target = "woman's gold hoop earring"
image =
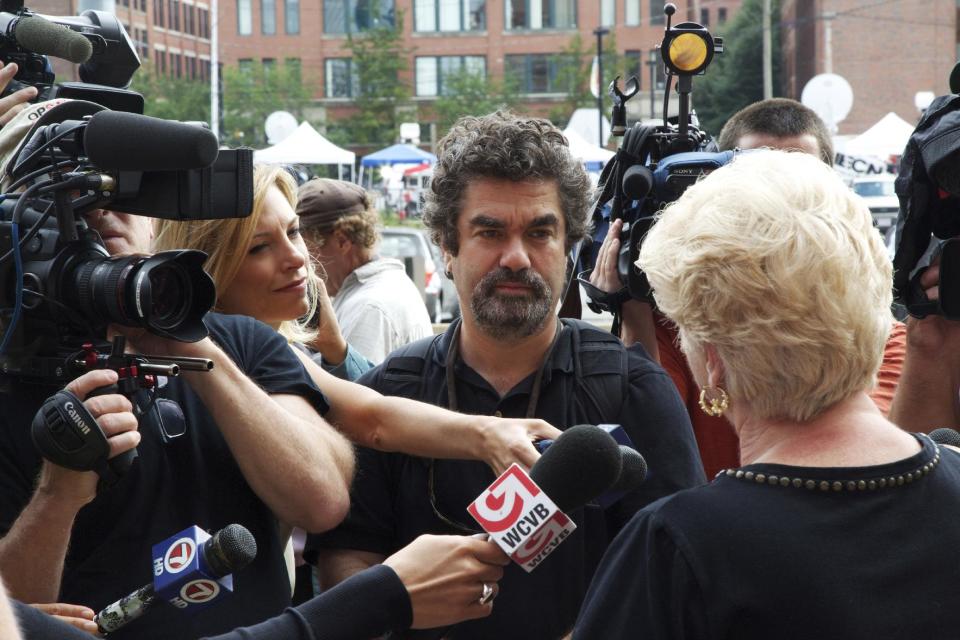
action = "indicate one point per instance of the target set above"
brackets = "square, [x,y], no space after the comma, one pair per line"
[717,404]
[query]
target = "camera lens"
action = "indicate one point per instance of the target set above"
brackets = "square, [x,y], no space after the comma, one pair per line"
[168,293]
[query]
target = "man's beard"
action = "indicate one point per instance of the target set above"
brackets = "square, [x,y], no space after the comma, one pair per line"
[511,316]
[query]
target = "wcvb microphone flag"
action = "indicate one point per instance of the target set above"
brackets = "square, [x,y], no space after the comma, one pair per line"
[521,518]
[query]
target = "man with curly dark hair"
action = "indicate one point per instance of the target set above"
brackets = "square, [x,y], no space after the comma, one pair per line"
[506,202]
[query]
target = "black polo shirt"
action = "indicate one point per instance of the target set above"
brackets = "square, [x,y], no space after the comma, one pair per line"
[391,497]
[190,480]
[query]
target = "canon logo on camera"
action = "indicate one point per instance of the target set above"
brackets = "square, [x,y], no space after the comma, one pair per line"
[77,420]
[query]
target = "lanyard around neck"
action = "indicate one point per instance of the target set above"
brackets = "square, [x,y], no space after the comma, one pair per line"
[454,351]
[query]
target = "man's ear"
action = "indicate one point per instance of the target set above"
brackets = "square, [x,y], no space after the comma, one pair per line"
[341,241]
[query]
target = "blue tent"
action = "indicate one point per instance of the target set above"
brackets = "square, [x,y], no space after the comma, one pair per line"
[398,154]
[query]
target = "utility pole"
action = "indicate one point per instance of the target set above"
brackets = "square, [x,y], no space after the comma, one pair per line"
[828,41]
[214,69]
[600,32]
[767,53]
[652,64]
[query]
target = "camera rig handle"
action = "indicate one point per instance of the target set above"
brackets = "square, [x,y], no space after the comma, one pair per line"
[135,372]
[618,115]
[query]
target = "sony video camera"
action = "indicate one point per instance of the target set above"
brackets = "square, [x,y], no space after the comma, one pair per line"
[95,40]
[654,164]
[59,288]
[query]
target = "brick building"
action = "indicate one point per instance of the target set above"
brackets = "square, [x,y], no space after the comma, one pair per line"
[887,51]
[445,36]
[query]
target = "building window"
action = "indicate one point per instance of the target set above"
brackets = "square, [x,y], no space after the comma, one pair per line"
[631,13]
[162,62]
[291,16]
[244,17]
[175,15]
[449,15]
[341,82]
[608,13]
[633,66]
[536,73]
[705,17]
[203,27]
[268,17]
[656,12]
[432,72]
[158,12]
[541,14]
[245,65]
[348,16]
[176,65]
[721,15]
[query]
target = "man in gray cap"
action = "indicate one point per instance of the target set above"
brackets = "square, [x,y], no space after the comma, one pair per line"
[378,307]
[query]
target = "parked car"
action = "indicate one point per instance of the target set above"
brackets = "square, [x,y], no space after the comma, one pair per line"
[879,194]
[439,294]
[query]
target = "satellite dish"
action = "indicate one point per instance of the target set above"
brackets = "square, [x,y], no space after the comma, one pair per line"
[279,125]
[830,96]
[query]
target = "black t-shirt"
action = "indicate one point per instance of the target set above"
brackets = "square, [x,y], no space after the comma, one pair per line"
[751,558]
[190,480]
[391,499]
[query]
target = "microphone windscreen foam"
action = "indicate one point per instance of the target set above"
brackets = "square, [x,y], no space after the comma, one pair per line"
[945,436]
[42,36]
[117,140]
[230,549]
[633,470]
[584,462]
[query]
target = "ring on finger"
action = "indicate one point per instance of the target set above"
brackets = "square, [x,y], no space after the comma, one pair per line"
[487,594]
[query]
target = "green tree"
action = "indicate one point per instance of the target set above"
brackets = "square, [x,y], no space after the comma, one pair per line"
[573,67]
[252,92]
[377,59]
[735,78]
[172,98]
[472,94]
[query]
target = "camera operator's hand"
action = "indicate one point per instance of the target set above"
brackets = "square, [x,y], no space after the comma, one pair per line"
[926,396]
[16,101]
[329,341]
[636,317]
[445,577]
[114,414]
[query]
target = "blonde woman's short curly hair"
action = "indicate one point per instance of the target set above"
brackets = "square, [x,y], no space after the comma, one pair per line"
[774,262]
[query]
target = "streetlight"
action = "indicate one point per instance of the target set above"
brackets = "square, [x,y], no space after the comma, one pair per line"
[600,32]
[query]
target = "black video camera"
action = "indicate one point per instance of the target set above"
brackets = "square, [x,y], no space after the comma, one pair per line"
[59,287]
[654,164]
[928,225]
[95,40]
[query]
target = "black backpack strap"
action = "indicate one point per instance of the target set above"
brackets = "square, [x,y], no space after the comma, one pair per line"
[407,364]
[601,369]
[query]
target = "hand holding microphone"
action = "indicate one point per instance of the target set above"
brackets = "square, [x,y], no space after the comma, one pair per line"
[447,576]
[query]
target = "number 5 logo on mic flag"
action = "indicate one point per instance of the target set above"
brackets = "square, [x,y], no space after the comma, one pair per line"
[512,509]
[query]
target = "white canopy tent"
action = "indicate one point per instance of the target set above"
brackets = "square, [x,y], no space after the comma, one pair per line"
[592,156]
[306,146]
[888,137]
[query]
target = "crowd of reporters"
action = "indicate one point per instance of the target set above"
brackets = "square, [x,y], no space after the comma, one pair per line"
[772,316]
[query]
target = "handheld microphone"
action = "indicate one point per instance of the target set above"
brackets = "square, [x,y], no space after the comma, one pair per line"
[191,569]
[38,35]
[633,468]
[577,467]
[945,436]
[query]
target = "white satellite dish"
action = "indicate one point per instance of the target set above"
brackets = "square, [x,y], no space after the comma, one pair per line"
[279,125]
[830,96]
